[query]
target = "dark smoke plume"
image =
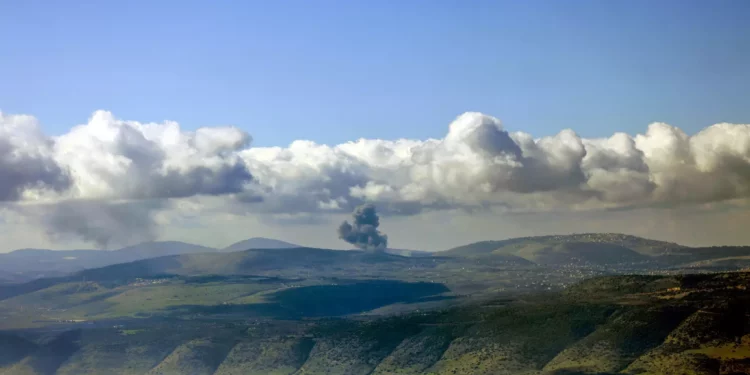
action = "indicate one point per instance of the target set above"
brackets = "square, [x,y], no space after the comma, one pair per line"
[363,232]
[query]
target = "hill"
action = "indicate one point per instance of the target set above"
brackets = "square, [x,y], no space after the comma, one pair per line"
[691,324]
[613,251]
[254,282]
[409,253]
[156,249]
[600,249]
[638,244]
[26,264]
[258,243]
[29,264]
[277,262]
[469,273]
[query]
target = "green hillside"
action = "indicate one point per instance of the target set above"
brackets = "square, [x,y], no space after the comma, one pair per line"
[551,251]
[526,307]
[693,324]
[640,245]
[588,249]
[308,282]
[252,262]
[605,249]
[216,295]
[250,278]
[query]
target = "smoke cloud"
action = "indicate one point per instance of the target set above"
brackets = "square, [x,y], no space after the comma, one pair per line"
[99,169]
[363,231]
[104,224]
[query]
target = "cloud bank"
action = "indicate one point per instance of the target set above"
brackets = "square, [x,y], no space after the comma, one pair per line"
[107,180]
[104,180]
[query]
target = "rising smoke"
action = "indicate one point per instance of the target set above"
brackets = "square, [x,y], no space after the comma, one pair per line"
[363,232]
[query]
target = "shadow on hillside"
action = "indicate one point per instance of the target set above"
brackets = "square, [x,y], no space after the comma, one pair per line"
[14,348]
[48,358]
[328,300]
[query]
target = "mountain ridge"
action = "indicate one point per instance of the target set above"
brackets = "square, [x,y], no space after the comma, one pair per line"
[259,243]
[602,249]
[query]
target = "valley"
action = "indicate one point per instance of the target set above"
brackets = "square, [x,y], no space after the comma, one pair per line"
[579,304]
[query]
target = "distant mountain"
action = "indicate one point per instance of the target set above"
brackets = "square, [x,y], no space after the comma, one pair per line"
[640,245]
[409,253]
[593,248]
[258,243]
[288,262]
[159,248]
[6,278]
[29,264]
[600,249]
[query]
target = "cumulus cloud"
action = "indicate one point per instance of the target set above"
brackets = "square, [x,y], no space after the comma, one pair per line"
[26,160]
[113,159]
[477,165]
[363,231]
[103,180]
[480,164]
[713,165]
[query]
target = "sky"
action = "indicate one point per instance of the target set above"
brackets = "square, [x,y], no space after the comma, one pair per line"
[269,96]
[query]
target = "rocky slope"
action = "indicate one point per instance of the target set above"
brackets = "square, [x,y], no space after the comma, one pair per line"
[695,324]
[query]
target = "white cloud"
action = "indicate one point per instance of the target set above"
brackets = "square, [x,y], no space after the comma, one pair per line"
[27,165]
[96,171]
[104,180]
[113,159]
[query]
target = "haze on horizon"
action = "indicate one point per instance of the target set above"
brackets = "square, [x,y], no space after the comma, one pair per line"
[460,123]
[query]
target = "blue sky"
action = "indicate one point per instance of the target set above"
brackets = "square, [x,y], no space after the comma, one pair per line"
[333,71]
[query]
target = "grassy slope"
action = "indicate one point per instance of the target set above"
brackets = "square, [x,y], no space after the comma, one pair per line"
[234,296]
[90,300]
[199,356]
[159,285]
[590,248]
[638,244]
[609,325]
[604,248]
[274,356]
